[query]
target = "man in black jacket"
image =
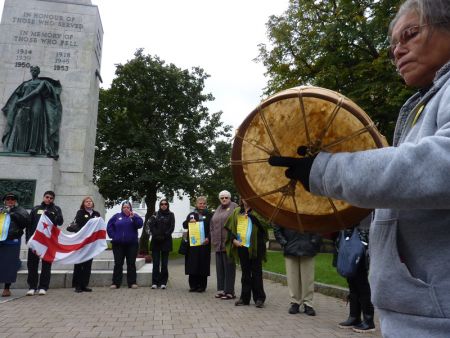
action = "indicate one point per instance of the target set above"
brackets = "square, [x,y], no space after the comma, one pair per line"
[299,251]
[53,212]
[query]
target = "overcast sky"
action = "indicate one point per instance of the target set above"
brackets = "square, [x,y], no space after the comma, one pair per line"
[221,37]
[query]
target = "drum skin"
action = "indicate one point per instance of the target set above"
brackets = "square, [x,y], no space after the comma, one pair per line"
[322,120]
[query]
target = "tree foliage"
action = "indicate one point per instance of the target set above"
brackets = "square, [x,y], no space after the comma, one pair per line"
[154,133]
[340,45]
[218,175]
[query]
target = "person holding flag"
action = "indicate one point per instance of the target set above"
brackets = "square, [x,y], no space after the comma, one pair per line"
[13,220]
[246,243]
[53,212]
[50,244]
[82,271]
[198,257]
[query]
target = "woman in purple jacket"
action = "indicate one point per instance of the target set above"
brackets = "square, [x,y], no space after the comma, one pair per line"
[123,228]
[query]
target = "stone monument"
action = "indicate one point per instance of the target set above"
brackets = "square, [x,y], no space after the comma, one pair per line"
[64,39]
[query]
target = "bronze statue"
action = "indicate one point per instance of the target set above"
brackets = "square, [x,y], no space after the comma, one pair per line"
[33,114]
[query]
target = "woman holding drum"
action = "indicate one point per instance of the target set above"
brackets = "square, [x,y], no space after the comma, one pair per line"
[408,184]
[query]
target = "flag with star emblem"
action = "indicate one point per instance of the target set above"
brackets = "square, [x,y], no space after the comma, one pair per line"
[53,245]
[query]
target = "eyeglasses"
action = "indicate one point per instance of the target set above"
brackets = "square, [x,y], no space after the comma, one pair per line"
[224,198]
[164,204]
[408,34]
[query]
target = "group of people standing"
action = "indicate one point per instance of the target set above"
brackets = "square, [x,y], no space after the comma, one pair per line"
[15,220]
[223,230]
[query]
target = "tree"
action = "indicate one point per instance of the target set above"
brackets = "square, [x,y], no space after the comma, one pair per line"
[218,176]
[340,45]
[154,133]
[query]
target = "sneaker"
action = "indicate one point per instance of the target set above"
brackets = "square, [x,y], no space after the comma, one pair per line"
[154,286]
[86,289]
[295,308]
[6,293]
[30,292]
[259,303]
[42,292]
[163,286]
[134,286]
[309,310]
[114,286]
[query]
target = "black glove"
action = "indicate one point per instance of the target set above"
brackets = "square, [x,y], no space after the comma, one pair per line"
[51,215]
[298,168]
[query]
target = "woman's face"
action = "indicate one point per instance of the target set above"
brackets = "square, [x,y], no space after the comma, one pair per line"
[201,205]
[126,209]
[10,201]
[225,200]
[88,204]
[418,52]
[163,205]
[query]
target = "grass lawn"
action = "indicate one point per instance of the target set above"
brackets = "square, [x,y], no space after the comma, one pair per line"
[325,272]
[176,244]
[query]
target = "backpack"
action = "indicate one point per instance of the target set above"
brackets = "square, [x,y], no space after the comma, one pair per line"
[350,253]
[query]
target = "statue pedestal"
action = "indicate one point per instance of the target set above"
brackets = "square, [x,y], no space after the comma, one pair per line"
[70,187]
[63,38]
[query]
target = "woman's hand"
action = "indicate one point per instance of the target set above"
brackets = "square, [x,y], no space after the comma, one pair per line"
[206,241]
[131,214]
[237,243]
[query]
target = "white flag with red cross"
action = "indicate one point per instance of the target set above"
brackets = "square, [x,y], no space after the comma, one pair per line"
[53,245]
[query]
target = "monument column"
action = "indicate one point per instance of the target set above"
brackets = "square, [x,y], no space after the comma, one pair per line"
[63,38]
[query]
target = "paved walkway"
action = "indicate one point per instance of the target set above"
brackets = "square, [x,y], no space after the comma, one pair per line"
[173,312]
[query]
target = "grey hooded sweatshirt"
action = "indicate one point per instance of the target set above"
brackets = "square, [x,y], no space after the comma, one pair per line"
[409,186]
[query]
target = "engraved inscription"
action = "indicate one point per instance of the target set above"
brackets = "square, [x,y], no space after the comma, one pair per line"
[48,30]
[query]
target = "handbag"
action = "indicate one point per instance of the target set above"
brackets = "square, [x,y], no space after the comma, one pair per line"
[73,227]
[350,254]
[182,250]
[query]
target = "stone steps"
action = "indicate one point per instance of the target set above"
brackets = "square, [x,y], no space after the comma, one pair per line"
[101,275]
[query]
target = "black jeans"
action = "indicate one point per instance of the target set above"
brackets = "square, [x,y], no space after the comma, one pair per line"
[198,282]
[122,251]
[33,280]
[252,280]
[359,288]
[160,273]
[81,274]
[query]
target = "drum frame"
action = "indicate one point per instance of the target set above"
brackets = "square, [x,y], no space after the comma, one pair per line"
[304,222]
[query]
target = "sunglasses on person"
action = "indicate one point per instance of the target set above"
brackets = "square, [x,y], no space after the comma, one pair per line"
[10,199]
[224,197]
[164,204]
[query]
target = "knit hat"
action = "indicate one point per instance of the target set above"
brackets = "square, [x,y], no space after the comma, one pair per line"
[10,194]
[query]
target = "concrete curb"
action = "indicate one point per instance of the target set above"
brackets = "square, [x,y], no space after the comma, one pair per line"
[325,289]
